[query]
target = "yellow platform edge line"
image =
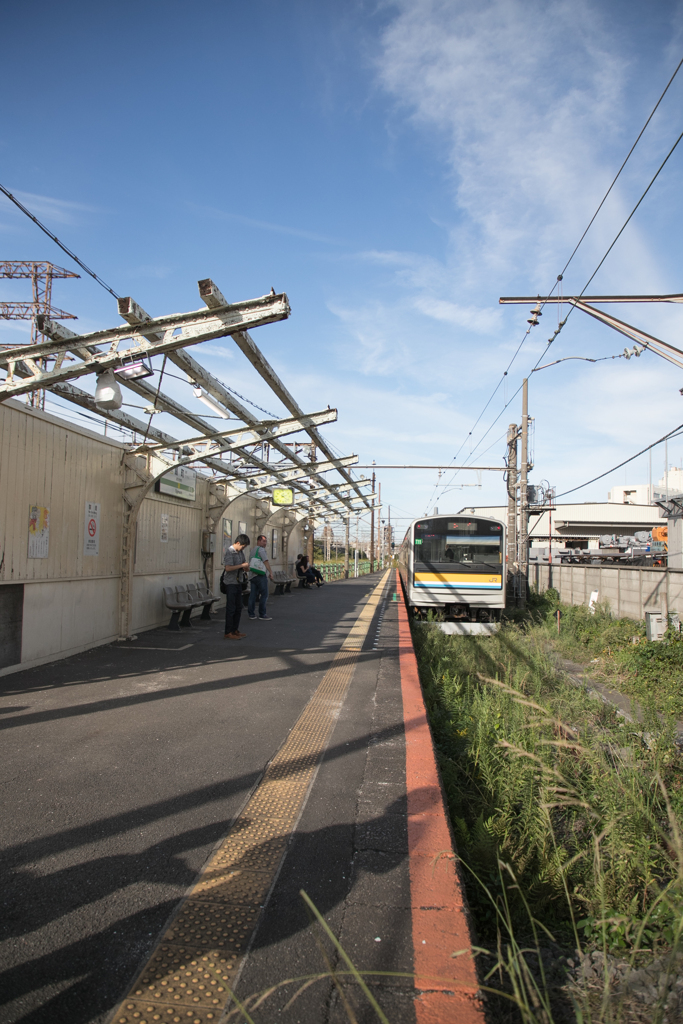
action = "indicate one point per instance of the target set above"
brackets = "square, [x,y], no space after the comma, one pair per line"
[188,977]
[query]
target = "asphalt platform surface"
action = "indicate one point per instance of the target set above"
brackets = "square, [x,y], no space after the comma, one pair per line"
[124,767]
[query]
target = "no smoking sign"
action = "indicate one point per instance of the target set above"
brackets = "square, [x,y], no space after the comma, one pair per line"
[91,536]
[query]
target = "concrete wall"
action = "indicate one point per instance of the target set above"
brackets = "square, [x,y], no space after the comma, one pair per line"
[630,591]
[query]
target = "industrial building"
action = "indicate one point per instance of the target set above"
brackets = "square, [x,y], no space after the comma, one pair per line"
[580,525]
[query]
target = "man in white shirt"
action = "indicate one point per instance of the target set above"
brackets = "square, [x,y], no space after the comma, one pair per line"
[259,573]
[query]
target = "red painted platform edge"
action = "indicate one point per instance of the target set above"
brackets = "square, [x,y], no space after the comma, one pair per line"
[440,919]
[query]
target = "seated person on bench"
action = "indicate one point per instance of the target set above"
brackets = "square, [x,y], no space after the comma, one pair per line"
[309,572]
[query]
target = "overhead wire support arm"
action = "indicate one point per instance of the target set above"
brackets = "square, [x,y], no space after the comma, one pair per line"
[648,341]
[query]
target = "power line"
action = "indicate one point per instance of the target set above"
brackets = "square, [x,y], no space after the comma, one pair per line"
[61,245]
[616,176]
[560,276]
[104,285]
[672,433]
[613,243]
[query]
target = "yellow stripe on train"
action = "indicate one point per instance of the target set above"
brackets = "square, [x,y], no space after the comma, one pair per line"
[439,580]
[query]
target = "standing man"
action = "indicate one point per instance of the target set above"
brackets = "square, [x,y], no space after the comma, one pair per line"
[259,572]
[233,577]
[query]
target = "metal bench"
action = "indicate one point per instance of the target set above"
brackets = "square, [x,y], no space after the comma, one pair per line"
[283,582]
[185,597]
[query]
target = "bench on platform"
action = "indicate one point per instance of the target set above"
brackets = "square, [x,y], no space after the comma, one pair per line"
[283,581]
[184,598]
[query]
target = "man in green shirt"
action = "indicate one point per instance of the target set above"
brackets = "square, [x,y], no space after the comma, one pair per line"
[259,571]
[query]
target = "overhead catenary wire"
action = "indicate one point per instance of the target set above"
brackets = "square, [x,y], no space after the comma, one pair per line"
[104,285]
[61,245]
[542,303]
[676,432]
[611,246]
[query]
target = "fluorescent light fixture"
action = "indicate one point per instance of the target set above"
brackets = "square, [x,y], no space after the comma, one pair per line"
[201,394]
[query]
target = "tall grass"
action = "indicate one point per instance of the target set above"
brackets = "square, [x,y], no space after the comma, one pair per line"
[567,820]
[618,650]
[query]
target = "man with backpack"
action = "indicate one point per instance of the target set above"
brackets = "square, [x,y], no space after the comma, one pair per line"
[259,572]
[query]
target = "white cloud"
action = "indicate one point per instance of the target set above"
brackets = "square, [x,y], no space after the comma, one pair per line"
[55,211]
[528,97]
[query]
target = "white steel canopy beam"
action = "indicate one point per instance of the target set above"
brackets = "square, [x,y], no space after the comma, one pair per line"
[135,315]
[214,298]
[284,476]
[165,334]
[265,431]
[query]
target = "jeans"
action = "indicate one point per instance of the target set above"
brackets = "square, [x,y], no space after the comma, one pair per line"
[233,607]
[259,591]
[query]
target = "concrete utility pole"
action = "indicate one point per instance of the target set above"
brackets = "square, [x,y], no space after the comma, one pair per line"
[379,526]
[372,528]
[513,434]
[389,535]
[346,549]
[523,499]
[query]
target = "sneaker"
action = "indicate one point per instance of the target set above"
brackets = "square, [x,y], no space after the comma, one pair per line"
[266,618]
[252,616]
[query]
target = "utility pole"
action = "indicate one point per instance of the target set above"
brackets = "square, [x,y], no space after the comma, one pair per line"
[346,549]
[523,498]
[379,526]
[666,467]
[513,434]
[372,527]
[389,535]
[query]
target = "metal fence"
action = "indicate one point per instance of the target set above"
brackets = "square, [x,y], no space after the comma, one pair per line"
[335,570]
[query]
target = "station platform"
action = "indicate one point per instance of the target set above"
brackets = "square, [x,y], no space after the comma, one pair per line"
[168,798]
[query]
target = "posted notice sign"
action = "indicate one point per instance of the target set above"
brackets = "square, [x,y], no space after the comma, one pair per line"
[38,531]
[91,540]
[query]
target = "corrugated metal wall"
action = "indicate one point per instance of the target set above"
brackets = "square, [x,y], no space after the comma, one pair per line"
[44,462]
[71,600]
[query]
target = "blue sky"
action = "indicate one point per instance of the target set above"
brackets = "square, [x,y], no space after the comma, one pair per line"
[395,168]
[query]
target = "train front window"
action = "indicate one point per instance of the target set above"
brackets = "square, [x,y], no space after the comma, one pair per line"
[459,545]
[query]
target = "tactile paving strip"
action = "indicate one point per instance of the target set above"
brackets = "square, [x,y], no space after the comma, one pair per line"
[188,978]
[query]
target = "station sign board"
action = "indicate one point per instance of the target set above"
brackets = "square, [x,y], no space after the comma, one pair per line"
[181,482]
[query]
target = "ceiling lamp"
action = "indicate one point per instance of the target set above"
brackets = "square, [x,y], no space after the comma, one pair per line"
[108,392]
[209,402]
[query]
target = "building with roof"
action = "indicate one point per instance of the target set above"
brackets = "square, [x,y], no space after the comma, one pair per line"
[580,524]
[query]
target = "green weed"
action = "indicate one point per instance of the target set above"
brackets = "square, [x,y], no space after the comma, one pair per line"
[552,783]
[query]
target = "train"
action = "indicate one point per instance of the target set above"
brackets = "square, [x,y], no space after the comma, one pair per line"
[455,565]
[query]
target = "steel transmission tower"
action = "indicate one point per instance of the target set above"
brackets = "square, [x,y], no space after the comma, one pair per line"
[41,276]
